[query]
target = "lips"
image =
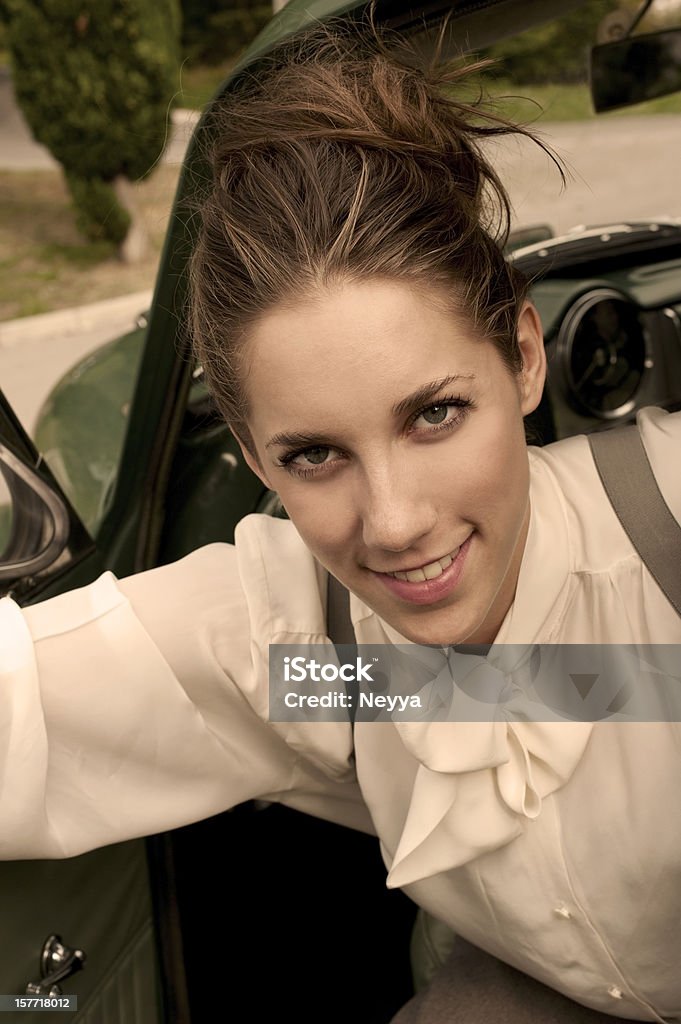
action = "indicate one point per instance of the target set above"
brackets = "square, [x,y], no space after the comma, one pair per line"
[415,587]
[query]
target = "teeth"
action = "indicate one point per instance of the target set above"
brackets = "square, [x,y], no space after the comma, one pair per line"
[416,576]
[427,572]
[432,570]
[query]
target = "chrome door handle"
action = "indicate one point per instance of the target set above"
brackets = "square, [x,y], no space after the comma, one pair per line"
[57,963]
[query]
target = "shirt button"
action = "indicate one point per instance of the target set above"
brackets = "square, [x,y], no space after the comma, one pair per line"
[562,911]
[615,992]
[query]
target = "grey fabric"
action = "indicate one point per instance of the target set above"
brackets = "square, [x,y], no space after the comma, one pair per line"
[472,987]
[432,941]
[338,621]
[627,476]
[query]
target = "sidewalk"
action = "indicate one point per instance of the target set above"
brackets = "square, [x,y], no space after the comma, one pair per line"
[95,318]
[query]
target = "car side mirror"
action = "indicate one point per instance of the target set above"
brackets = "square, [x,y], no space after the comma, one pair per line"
[635,69]
[34,524]
[40,533]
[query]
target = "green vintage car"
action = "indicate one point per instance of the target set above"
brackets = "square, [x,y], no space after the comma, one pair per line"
[261,910]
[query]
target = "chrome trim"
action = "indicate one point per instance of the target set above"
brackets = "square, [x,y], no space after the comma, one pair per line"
[59,518]
[672,315]
[565,342]
[596,232]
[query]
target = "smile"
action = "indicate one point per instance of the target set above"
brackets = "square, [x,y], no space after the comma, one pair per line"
[431,582]
[426,572]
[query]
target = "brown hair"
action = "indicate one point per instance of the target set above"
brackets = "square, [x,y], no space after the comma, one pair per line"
[345,158]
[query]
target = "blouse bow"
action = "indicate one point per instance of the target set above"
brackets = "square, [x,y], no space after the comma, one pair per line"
[486,765]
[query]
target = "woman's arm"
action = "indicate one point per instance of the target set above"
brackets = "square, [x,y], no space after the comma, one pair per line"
[126,708]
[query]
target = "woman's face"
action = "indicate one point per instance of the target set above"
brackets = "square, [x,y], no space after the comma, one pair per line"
[395,440]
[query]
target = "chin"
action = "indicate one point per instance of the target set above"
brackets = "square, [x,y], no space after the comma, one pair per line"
[436,629]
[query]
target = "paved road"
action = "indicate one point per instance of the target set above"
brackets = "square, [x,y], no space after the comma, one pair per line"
[620,167]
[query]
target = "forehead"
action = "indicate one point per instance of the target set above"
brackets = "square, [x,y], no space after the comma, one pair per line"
[378,333]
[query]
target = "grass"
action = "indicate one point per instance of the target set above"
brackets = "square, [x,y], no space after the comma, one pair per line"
[566,103]
[556,102]
[198,84]
[45,264]
[541,102]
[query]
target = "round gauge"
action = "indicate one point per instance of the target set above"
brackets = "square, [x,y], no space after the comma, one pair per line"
[603,353]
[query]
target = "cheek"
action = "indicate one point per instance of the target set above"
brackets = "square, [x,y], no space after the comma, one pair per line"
[324,524]
[489,473]
[505,489]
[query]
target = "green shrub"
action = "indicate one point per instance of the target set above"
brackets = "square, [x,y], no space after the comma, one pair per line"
[99,215]
[96,84]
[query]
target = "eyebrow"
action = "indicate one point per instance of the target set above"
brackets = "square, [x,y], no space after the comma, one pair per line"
[297,439]
[418,399]
[421,397]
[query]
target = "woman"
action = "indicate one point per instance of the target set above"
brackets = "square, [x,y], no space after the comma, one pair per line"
[375,356]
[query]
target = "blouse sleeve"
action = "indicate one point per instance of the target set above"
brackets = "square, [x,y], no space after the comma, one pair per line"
[130,707]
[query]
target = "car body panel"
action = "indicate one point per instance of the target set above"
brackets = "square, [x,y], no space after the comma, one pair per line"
[81,427]
[119,980]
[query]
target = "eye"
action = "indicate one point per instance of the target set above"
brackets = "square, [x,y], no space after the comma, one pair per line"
[317,456]
[436,414]
[442,415]
[308,461]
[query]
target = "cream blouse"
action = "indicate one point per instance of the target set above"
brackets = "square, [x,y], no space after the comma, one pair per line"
[135,706]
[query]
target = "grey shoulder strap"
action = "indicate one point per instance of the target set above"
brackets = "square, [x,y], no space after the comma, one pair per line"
[630,484]
[340,629]
[338,621]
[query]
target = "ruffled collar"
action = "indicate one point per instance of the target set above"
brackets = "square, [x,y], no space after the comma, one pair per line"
[478,783]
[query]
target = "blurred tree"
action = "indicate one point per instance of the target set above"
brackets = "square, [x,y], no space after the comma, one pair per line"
[4,17]
[95,82]
[555,52]
[214,30]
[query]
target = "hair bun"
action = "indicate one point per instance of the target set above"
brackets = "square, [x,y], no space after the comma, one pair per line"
[357,85]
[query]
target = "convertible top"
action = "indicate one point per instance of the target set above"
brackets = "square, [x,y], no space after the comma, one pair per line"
[475,23]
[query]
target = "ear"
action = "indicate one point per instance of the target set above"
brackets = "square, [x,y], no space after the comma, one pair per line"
[531,344]
[251,459]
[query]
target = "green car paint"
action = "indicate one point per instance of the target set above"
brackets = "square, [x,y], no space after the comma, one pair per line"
[82,424]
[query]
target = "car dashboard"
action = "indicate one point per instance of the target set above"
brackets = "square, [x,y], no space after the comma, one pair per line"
[610,307]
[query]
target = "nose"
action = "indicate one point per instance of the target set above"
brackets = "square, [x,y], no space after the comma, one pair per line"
[395,510]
